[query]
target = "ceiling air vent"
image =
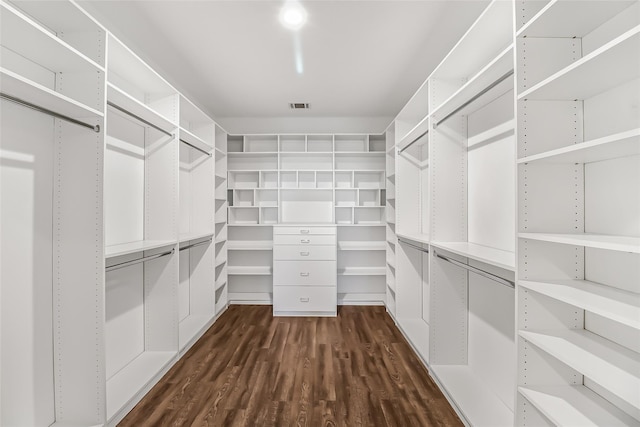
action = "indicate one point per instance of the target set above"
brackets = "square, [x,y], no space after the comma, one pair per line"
[298,106]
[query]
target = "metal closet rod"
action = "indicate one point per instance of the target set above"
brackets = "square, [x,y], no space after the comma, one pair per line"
[95,128]
[146,122]
[414,141]
[138,261]
[475,97]
[477,270]
[197,148]
[406,242]
[196,244]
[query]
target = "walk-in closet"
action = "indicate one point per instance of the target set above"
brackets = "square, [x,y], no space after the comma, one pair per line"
[307,213]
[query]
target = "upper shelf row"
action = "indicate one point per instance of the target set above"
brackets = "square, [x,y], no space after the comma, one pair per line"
[306,144]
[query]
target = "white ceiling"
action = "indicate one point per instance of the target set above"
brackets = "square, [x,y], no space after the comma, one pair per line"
[361,60]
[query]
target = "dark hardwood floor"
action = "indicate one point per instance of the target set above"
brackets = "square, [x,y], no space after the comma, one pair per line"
[251,369]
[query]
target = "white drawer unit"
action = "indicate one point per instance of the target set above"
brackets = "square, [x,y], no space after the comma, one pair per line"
[304,300]
[307,273]
[303,253]
[304,271]
[304,239]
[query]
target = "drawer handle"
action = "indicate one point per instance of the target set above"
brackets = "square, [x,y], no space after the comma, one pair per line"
[304,274]
[304,253]
[304,231]
[304,299]
[305,241]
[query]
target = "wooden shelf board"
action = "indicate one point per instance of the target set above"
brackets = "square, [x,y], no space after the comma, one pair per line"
[618,60]
[19,87]
[575,406]
[129,381]
[610,365]
[134,247]
[623,144]
[615,304]
[598,241]
[492,256]
[479,405]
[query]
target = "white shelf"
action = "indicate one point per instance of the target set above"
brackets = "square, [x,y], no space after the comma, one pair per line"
[479,405]
[391,263]
[610,365]
[598,241]
[20,34]
[189,137]
[557,18]
[361,224]
[575,406]
[350,298]
[615,304]
[492,256]
[134,377]
[250,245]
[623,144]
[415,237]
[251,153]
[362,271]
[191,326]
[132,105]
[414,133]
[392,286]
[417,332]
[134,247]
[194,235]
[618,60]
[19,87]
[220,262]
[361,245]
[501,65]
[248,270]
[221,284]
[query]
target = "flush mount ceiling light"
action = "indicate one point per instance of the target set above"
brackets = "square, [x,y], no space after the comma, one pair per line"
[293,16]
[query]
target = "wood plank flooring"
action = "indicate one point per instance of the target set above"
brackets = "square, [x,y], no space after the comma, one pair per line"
[251,369]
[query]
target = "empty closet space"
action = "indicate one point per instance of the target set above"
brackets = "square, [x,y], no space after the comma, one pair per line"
[579,180]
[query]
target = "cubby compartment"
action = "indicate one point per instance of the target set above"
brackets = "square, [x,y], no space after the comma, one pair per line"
[319,143]
[267,198]
[306,161]
[241,179]
[360,162]
[261,144]
[306,179]
[250,238]
[269,215]
[288,179]
[362,263]
[344,215]
[324,179]
[251,288]
[235,143]
[292,143]
[361,239]
[252,161]
[368,180]
[307,207]
[367,215]
[343,179]
[242,198]
[346,197]
[369,198]
[243,215]
[377,143]
[351,143]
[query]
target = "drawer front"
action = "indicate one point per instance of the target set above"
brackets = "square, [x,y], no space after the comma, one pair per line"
[312,239]
[304,253]
[304,230]
[304,273]
[304,298]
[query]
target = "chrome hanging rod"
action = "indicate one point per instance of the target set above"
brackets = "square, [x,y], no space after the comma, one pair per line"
[414,141]
[475,97]
[197,148]
[406,242]
[140,119]
[138,261]
[477,270]
[195,244]
[95,128]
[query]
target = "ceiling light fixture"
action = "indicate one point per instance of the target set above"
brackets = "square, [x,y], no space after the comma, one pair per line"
[293,16]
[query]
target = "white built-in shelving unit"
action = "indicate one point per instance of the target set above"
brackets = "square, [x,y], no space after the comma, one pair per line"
[108,213]
[578,305]
[221,282]
[307,179]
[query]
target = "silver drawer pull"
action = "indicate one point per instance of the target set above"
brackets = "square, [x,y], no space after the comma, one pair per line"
[304,231]
[304,253]
[304,274]
[304,299]
[305,241]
